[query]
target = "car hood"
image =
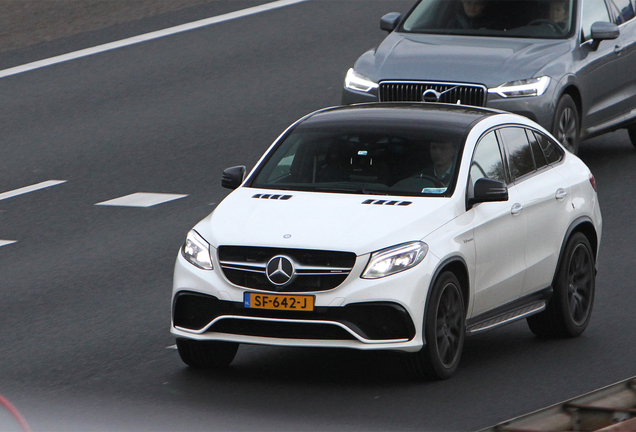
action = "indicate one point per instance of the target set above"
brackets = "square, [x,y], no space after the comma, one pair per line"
[326,221]
[482,60]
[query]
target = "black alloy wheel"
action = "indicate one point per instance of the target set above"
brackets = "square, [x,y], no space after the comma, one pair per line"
[568,312]
[580,282]
[206,354]
[444,331]
[566,124]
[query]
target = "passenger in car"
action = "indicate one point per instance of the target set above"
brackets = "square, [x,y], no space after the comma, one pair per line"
[559,13]
[469,14]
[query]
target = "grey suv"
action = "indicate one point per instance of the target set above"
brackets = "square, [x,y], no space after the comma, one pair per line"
[569,65]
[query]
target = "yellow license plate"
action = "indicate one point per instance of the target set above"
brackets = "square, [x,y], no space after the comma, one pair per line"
[278,302]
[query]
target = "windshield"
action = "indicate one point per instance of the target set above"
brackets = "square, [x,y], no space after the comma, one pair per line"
[400,162]
[548,19]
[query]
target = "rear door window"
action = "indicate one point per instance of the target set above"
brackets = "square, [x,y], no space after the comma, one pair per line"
[621,10]
[519,152]
[553,153]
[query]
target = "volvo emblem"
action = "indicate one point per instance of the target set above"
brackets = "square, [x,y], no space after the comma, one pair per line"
[431,95]
[280,270]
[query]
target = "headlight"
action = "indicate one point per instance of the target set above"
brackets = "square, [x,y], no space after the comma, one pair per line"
[357,82]
[395,259]
[521,88]
[197,251]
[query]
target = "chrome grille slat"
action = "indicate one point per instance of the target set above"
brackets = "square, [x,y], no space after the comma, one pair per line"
[315,270]
[467,94]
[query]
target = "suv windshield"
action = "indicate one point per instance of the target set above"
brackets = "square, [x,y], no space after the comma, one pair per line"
[366,160]
[549,19]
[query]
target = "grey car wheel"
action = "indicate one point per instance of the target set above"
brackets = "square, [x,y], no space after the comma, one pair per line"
[566,124]
[632,134]
[444,330]
[568,312]
[206,354]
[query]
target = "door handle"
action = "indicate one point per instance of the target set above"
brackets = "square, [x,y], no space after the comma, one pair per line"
[560,194]
[516,209]
[618,49]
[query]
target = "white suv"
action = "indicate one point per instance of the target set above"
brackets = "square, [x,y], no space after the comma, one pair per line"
[395,227]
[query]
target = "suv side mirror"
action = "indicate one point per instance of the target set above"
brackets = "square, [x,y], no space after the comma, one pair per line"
[390,21]
[604,31]
[233,177]
[488,190]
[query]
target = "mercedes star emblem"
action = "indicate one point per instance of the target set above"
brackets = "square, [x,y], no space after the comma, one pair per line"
[280,270]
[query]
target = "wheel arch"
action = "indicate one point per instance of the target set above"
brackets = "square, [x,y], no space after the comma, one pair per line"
[585,226]
[458,267]
[574,92]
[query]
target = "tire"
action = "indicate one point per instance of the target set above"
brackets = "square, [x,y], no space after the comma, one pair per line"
[632,134]
[570,308]
[566,127]
[444,330]
[206,354]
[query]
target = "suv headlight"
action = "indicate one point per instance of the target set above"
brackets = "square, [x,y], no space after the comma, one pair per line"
[197,251]
[522,88]
[357,82]
[395,259]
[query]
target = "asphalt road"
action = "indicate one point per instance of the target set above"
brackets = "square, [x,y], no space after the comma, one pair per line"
[85,288]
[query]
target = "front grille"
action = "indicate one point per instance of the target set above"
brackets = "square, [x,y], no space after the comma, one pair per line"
[372,320]
[315,270]
[465,94]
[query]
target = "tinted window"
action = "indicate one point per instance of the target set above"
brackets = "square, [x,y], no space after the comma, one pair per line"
[539,157]
[487,161]
[593,11]
[553,153]
[500,18]
[363,159]
[520,157]
[622,10]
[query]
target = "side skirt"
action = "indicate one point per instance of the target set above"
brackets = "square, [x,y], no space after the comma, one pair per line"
[511,312]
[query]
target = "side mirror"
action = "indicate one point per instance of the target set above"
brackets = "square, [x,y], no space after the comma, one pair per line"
[604,31]
[390,21]
[233,177]
[488,190]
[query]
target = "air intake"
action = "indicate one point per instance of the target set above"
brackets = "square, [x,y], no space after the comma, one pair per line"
[387,202]
[273,197]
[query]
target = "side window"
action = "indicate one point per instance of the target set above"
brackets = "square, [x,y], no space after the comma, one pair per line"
[553,153]
[539,158]
[487,161]
[621,10]
[593,11]
[520,159]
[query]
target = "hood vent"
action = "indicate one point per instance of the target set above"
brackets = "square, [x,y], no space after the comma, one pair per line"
[387,202]
[274,197]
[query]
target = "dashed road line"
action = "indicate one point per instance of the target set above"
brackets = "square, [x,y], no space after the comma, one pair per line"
[141,199]
[146,37]
[7,242]
[32,188]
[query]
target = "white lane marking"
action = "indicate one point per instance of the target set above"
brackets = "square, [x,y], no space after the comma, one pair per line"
[146,37]
[141,199]
[27,189]
[7,242]
[172,347]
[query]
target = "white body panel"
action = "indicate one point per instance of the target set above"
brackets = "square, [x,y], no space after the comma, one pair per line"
[506,254]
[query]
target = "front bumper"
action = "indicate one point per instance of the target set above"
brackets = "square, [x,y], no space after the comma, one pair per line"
[384,313]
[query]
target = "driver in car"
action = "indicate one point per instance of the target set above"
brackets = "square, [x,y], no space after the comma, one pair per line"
[559,12]
[442,154]
[469,15]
